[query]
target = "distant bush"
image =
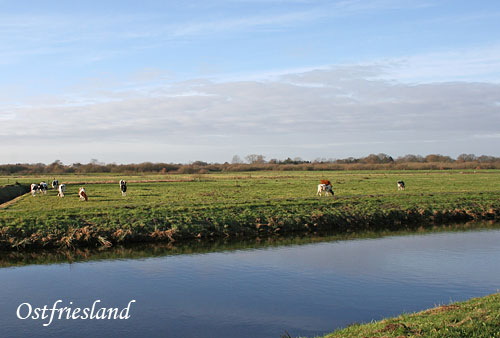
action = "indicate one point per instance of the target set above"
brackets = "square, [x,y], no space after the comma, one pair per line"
[371,162]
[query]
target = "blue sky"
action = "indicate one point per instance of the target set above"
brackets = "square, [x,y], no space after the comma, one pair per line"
[130,81]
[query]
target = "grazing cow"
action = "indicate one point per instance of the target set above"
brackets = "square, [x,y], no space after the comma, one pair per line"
[62,189]
[34,188]
[326,188]
[43,187]
[82,194]
[55,184]
[401,185]
[123,187]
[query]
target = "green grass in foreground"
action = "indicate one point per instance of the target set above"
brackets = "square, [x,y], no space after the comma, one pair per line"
[242,204]
[478,317]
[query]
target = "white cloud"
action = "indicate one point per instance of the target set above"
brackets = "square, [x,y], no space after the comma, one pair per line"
[383,104]
[315,112]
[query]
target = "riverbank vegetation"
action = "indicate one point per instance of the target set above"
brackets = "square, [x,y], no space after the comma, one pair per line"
[178,207]
[478,317]
[162,249]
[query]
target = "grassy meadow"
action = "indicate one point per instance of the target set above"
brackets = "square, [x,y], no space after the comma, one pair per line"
[478,317]
[174,207]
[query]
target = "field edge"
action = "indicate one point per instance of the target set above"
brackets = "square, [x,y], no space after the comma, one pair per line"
[80,233]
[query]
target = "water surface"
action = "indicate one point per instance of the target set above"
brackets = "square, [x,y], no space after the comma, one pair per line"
[307,289]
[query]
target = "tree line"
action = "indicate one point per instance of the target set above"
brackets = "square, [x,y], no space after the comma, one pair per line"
[255,162]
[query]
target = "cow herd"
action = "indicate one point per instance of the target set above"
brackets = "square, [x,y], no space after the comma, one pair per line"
[42,188]
[325,187]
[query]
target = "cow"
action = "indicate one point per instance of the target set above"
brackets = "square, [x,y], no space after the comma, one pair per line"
[82,194]
[326,188]
[43,187]
[62,189]
[123,187]
[55,184]
[34,188]
[401,185]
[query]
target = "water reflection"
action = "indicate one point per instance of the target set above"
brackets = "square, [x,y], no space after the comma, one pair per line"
[145,250]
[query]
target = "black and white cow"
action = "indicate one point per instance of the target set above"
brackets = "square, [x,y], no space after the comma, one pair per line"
[55,184]
[62,189]
[34,189]
[123,187]
[401,185]
[43,187]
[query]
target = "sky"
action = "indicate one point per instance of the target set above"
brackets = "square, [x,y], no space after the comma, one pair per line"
[179,81]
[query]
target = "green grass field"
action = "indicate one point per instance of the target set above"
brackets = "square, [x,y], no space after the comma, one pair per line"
[241,204]
[478,317]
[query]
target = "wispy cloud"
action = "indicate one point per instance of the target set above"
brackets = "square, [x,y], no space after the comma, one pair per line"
[316,10]
[481,63]
[59,33]
[487,136]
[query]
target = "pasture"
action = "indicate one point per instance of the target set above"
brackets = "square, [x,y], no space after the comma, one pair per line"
[477,317]
[172,207]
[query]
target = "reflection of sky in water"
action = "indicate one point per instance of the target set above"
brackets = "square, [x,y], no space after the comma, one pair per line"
[307,289]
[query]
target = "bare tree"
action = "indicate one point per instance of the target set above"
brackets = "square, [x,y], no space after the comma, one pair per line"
[254,158]
[410,158]
[236,160]
[466,158]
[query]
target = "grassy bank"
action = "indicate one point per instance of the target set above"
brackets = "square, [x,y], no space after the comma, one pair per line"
[180,207]
[162,249]
[478,317]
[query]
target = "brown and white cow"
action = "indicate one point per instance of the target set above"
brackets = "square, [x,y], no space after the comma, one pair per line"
[82,194]
[326,187]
